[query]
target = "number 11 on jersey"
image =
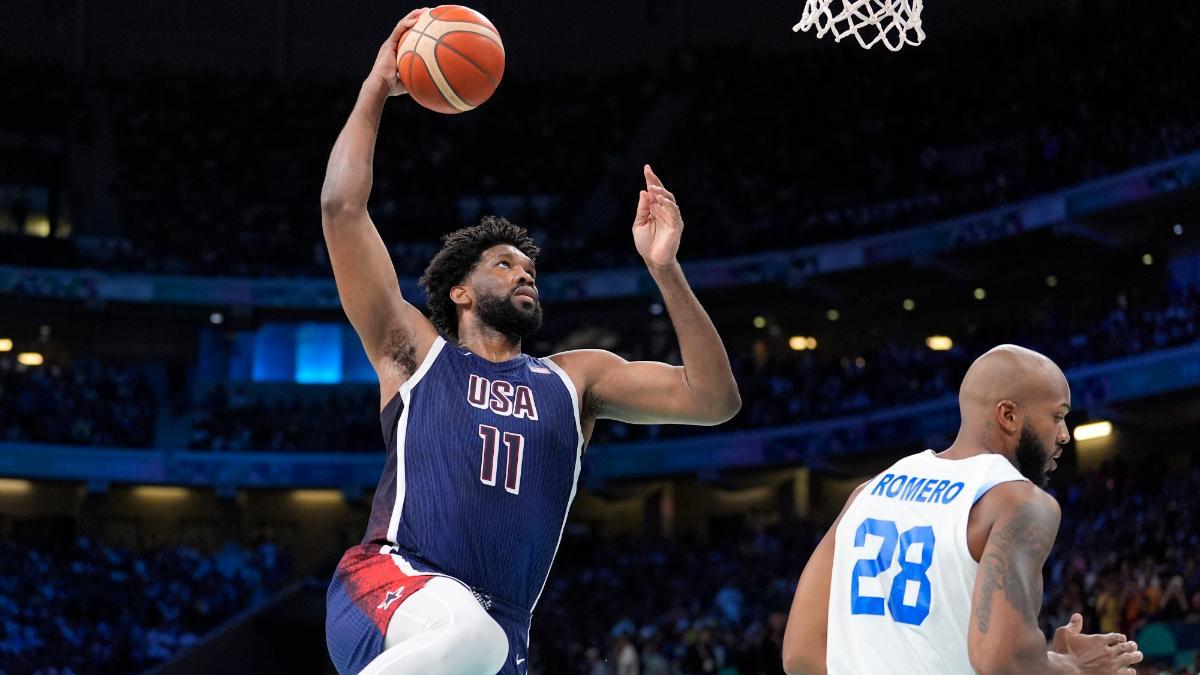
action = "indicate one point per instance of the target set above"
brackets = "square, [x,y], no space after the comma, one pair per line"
[514,444]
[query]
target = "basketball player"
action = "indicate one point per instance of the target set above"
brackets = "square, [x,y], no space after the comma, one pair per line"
[484,442]
[935,565]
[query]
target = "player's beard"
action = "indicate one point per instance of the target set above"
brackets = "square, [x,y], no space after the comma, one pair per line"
[501,314]
[1031,457]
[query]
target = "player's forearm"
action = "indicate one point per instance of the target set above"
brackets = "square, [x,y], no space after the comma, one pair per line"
[349,174]
[705,362]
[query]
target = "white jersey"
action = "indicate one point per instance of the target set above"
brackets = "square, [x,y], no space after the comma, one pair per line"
[900,597]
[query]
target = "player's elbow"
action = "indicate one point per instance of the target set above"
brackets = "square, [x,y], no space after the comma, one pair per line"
[334,207]
[728,406]
[720,409]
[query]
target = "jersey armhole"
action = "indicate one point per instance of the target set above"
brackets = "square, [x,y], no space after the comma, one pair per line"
[570,385]
[983,489]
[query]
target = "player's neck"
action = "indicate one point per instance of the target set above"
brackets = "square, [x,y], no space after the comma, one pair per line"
[970,443]
[489,343]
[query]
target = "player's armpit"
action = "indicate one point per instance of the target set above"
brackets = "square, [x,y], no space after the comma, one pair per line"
[643,392]
[1004,634]
[805,638]
[394,334]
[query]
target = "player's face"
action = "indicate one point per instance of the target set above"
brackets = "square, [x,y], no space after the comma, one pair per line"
[1043,434]
[506,294]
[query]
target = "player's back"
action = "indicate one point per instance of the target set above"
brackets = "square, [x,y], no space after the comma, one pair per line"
[903,576]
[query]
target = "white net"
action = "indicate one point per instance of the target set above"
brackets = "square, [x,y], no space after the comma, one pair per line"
[895,23]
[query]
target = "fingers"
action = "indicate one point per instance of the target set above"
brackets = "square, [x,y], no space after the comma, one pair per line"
[1114,638]
[407,22]
[651,178]
[1075,625]
[661,195]
[643,208]
[1129,659]
[1125,647]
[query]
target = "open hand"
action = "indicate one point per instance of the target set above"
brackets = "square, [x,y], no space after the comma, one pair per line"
[385,61]
[1108,653]
[658,225]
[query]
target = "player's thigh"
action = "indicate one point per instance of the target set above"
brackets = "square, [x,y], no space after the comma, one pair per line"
[443,626]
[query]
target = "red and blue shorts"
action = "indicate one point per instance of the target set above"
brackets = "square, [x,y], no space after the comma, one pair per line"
[367,588]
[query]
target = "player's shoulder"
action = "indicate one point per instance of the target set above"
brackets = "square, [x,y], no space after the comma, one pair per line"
[1019,499]
[583,364]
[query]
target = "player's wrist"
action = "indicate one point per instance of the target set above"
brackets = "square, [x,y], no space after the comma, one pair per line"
[1065,663]
[662,268]
[376,85]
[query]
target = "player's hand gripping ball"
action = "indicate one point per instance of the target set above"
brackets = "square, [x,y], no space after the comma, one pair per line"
[452,60]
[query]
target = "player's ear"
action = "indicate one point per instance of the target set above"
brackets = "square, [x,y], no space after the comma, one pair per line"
[1008,416]
[461,296]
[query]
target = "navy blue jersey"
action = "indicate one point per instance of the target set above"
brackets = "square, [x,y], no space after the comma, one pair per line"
[482,464]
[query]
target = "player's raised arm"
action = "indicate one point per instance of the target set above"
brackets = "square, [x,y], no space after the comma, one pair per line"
[701,391]
[394,334]
[1004,636]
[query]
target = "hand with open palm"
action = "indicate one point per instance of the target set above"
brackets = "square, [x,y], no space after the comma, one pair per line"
[658,225]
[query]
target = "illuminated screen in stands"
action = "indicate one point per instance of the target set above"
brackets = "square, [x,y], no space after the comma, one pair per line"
[303,353]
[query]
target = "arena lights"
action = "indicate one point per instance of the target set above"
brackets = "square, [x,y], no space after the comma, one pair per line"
[1087,432]
[6,344]
[317,496]
[160,492]
[1051,281]
[909,304]
[30,359]
[12,486]
[980,294]
[760,322]
[1147,259]
[1178,230]
[939,343]
[833,315]
[216,318]
[800,343]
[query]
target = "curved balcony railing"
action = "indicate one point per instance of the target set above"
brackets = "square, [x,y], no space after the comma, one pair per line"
[787,267]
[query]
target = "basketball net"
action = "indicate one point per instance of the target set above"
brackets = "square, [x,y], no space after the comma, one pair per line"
[895,23]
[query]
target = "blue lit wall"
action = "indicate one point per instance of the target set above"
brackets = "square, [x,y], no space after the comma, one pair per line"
[304,353]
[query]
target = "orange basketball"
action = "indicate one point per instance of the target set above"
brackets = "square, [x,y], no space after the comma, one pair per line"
[452,60]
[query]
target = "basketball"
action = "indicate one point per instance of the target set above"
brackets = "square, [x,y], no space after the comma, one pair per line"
[452,60]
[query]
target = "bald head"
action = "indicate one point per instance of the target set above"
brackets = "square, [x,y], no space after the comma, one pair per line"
[1011,373]
[1014,402]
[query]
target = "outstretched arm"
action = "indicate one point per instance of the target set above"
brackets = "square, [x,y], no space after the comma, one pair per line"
[1004,636]
[702,390]
[394,334]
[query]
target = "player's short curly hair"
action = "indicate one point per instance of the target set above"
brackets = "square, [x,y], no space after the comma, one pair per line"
[453,264]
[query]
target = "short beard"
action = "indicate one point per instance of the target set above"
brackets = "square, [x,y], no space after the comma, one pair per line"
[1031,457]
[499,313]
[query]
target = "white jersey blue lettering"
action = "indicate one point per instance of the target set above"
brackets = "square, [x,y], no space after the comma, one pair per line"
[903,576]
